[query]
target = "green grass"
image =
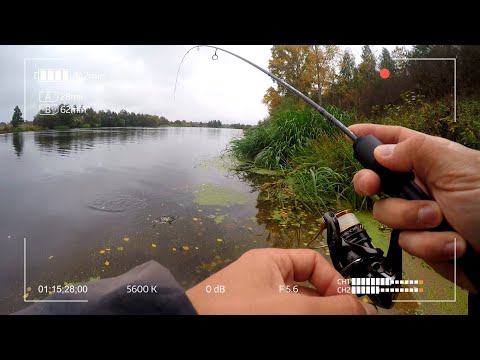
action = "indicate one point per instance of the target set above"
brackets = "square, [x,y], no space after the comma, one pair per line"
[21,128]
[315,162]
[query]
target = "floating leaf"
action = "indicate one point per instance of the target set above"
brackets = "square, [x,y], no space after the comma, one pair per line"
[67,283]
[217,257]
[196,247]
[219,219]
[50,257]
[29,289]
[219,240]
[185,248]
[25,295]
[50,292]
[212,216]
[120,248]
[195,219]
[174,249]
[102,251]
[200,210]
[126,239]
[107,263]
[108,249]
[154,245]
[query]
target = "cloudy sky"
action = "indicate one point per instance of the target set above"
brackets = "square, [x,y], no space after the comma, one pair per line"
[142,79]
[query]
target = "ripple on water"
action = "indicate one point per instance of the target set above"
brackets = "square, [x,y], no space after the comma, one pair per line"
[118,203]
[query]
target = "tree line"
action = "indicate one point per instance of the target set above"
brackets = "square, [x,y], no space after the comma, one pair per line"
[329,75]
[69,117]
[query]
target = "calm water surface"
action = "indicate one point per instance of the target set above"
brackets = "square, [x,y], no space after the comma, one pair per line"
[72,194]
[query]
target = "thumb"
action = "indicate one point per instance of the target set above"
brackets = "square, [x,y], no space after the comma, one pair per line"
[403,156]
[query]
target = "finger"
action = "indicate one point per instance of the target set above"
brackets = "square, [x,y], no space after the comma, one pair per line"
[402,156]
[336,305]
[366,182]
[432,246]
[307,265]
[307,291]
[407,214]
[447,271]
[385,133]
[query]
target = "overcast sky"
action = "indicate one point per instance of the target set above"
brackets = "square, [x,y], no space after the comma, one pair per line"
[142,79]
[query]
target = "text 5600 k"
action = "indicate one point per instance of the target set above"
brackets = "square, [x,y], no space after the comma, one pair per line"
[141,289]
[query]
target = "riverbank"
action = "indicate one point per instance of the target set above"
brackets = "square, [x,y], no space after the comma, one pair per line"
[313,163]
[5,129]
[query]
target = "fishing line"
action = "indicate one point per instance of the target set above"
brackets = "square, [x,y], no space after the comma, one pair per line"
[309,101]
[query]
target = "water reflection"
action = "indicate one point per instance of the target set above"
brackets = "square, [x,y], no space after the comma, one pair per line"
[74,141]
[288,224]
[17,141]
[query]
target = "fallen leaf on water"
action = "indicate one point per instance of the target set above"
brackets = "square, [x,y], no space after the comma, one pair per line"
[154,245]
[249,228]
[25,295]
[196,248]
[126,239]
[219,240]
[107,263]
[108,249]
[174,249]
[218,257]
[195,219]
[29,289]
[120,248]
[185,248]
[50,257]
[50,292]
[200,210]
[102,251]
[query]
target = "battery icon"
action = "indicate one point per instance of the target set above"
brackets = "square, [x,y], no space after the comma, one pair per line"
[52,75]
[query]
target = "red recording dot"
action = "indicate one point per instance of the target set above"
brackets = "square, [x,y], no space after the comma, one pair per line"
[384,73]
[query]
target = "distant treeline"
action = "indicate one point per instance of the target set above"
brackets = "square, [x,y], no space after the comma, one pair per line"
[69,117]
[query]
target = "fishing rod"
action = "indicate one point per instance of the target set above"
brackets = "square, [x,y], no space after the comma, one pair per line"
[394,184]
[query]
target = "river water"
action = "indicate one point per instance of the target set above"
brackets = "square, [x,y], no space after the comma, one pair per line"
[74,194]
[80,205]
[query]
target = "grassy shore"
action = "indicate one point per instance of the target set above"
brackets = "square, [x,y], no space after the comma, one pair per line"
[313,162]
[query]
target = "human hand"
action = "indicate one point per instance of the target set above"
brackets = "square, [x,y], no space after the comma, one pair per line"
[253,286]
[448,172]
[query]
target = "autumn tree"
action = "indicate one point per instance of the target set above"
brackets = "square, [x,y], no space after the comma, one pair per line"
[325,59]
[292,63]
